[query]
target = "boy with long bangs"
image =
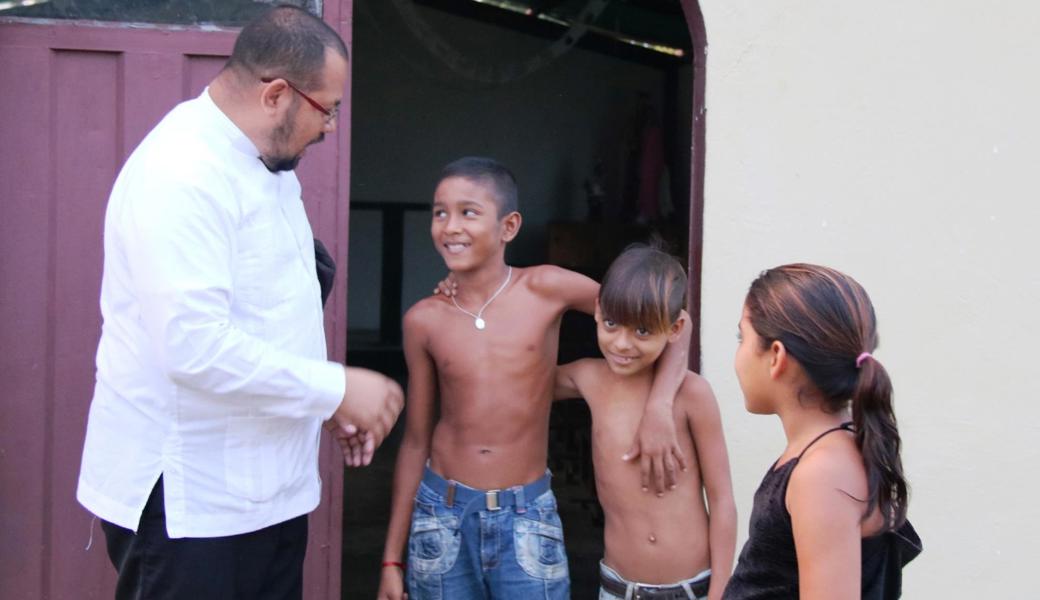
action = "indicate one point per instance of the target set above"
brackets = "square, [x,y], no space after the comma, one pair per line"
[671,546]
[471,477]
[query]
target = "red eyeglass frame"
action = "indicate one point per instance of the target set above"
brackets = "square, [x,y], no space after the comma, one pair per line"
[329,114]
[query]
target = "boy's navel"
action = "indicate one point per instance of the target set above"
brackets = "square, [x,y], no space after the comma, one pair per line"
[485,451]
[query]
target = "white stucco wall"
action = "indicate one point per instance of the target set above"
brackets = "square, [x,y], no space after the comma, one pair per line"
[896,141]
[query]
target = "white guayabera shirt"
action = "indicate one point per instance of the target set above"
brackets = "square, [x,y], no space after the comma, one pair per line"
[211,369]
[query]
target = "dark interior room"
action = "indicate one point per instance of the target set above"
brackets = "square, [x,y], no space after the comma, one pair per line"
[589,104]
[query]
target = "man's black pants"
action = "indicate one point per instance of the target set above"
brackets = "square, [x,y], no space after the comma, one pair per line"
[262,565]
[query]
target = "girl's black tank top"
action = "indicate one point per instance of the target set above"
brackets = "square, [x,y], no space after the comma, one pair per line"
[768,565]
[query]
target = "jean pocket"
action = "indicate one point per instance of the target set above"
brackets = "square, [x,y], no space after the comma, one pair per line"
[427,503]
[539,548]
[433,545]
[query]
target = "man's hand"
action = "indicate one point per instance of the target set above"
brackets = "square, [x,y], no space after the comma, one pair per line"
[657,448]
[351,442]
[391,585]
[366,415]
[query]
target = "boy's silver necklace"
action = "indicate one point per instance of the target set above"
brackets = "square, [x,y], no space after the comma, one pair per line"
[478,321]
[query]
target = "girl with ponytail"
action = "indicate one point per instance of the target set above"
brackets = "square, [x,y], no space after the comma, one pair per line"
[829,518]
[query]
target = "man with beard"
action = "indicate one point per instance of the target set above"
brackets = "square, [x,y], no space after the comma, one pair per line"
[201,454]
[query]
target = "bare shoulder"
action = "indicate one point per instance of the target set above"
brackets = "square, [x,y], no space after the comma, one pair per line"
[695,394]
[832,463]
[424,315]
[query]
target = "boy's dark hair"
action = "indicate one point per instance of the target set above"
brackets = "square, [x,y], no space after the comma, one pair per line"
[285,41]
[488,171]
[644,287]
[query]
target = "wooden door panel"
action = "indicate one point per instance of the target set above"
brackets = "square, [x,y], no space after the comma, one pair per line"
[25,367]
[199,71]
[152,80]
[78,99]
[86,152]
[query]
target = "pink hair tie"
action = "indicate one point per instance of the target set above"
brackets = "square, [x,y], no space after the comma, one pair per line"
[863,357]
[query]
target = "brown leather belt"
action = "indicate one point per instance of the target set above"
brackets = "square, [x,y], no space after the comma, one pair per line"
[654,592]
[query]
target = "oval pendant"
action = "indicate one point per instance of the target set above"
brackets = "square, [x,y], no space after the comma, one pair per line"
[479,323]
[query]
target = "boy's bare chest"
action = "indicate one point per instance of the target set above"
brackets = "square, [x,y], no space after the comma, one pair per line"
[514,339]
[617,413]
[615,422]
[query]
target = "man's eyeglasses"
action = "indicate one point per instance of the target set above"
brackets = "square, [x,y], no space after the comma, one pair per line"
[330,114]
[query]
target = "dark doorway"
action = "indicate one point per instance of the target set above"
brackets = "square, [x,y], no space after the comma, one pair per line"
[597,131]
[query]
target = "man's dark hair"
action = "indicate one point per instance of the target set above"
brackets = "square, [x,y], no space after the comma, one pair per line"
[285,41]
[487,171]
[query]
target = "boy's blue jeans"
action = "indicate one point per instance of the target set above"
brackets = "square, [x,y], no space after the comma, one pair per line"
[461,546]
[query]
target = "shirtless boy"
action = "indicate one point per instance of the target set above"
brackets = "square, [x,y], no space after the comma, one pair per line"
[667,546]
[481,368]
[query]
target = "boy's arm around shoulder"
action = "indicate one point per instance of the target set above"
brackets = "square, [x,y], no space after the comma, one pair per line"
[705,424]
[574,290]
[656,443]
[415,445]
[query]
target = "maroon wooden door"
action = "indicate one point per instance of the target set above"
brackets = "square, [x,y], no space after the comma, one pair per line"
[76,99]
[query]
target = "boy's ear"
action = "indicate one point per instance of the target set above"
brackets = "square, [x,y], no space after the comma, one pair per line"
[511,226]
[778,359]
[677,327]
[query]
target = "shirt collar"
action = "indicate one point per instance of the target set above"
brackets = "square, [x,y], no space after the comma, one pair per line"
[239,140]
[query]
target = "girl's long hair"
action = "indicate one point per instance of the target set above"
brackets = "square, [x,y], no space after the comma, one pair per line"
[825,321]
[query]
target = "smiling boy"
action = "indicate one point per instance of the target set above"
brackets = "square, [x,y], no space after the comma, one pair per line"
[471,477]
[669,546]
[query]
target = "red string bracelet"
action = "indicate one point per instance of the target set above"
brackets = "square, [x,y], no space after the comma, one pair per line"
[393,563]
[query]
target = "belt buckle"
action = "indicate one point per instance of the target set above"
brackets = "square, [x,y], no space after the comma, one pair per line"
[654,592]
[491,500]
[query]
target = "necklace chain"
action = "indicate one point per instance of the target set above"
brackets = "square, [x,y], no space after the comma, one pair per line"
[478,320]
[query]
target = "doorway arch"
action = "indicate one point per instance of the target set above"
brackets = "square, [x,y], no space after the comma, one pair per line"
[698,37]
[376,219]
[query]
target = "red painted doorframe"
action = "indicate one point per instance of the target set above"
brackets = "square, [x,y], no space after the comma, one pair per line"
[699,42]
[80,96]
